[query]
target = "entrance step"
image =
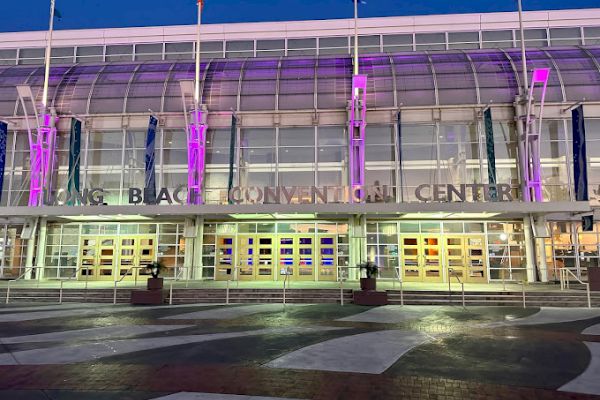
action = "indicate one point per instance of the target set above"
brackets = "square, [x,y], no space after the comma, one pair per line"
[306,296]
[532,299]
[573,298]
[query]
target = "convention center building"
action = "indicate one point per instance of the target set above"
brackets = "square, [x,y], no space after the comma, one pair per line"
[440,157]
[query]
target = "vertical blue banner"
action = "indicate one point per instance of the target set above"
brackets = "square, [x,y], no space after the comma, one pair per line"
[579,155]
[150,184]
[399,155]
[232,141]
[3,137]
[491,154]
[74,160]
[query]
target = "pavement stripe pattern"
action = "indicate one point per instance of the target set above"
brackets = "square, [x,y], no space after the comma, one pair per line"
[216,396]
[105,332]
[391,314]
[370,353]
[592,330]
[89,351]
[552,315]
[231,312]
[83,312]
[589,381]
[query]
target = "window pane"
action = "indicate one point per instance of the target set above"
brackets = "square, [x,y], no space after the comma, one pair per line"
[297,136]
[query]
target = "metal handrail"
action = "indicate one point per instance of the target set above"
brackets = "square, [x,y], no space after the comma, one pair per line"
[523,287]
[565,283]
[452,273]
[121,280]
[62,281]
[175,279]
[401,286]
[18,278]
[284,283]
[341,281]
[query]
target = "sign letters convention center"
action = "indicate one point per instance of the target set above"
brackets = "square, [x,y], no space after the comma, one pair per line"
[440,155]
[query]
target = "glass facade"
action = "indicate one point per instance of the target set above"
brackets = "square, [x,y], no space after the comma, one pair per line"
[438,153]
[371,44]
[13,251]
[67,248]
[390,245]
[425,99]
[571,247]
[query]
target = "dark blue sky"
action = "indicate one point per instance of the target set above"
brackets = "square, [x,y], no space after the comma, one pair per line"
[23,15]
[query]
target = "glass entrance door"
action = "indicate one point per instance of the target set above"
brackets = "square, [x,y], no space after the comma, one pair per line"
[225,261]
[246,248]
[456,257]
[327,258]
[135,253]
[410,258]
[266,258]
[296,257]
[97,258]
[432,258]
[256,255]
[465,256]
[476,251]
[421,258]
[304,270]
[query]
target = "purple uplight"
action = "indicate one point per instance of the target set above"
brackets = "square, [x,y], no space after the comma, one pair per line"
[534,177]
[43,155]
[196,157]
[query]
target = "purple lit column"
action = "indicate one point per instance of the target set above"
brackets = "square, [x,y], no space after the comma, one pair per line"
[531,137]
[356,140]
[196,156]
[43,154]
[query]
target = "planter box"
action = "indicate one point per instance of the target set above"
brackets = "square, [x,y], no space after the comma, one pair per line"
[155,283]
[594,278]
[368,283]
[147,297]
[370,298]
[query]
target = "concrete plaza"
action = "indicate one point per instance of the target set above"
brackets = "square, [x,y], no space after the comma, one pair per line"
[268,351]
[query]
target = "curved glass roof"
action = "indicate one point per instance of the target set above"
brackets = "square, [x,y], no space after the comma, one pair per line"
[257,84]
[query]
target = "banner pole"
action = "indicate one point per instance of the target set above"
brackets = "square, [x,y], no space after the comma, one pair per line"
[356,37]
[523,52]
[47,61]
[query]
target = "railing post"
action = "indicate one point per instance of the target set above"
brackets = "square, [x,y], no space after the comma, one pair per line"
[171,294]
[463,295]
[401,293]
[524,301]
[449,288]
[342,292]
[560,277]
[85,294]
[60,296]
[115,293]
[8,292]
[589,297]
[284,281]
[227,293]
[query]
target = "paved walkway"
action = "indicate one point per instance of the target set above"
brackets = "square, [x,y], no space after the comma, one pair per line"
[268,352]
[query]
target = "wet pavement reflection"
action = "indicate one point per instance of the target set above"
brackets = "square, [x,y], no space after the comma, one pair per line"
[323,351]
